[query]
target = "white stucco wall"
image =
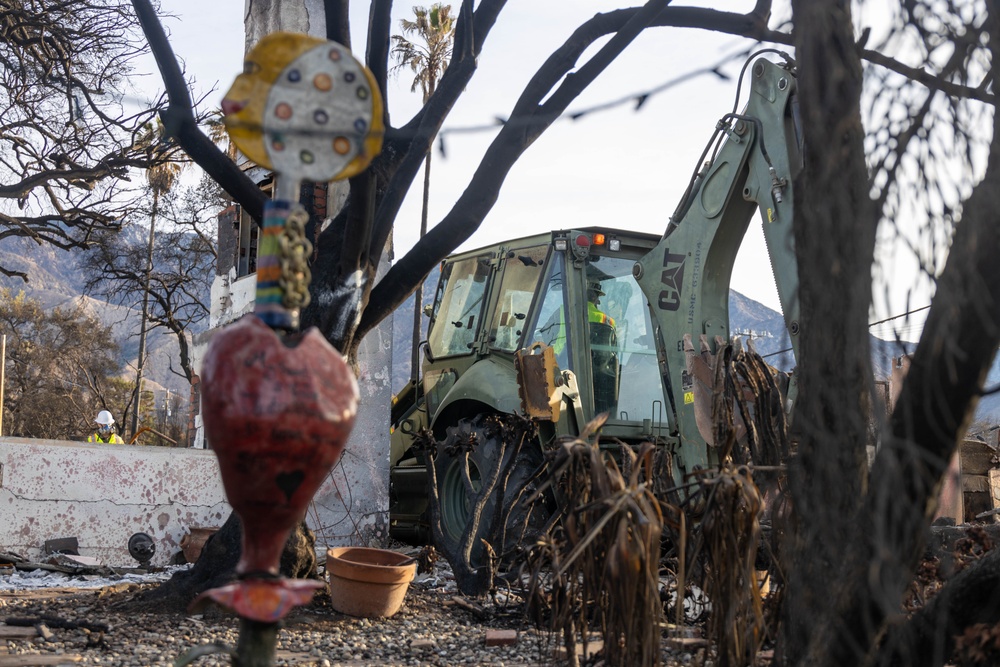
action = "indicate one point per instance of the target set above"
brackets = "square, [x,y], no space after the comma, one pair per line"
[352,506]
[102,495]
[262,17]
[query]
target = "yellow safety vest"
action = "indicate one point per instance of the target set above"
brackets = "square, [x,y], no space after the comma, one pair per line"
[113,440]
[596,316]
[593,315]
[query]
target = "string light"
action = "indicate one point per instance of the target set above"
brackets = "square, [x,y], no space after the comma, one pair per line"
[888,319]
[635,100]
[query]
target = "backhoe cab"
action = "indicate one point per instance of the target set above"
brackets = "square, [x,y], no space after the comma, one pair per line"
[567,325]
[522,295]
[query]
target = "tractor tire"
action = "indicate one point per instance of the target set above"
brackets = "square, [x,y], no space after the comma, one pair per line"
[509,524]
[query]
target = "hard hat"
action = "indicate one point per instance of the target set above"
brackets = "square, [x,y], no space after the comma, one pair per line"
[104,417]
[595,286]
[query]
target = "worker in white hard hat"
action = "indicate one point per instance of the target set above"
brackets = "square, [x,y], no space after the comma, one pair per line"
[105,430]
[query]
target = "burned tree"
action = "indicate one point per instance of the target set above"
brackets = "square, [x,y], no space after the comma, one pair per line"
[183,256]
[68,144]
[852,526]
[61,370]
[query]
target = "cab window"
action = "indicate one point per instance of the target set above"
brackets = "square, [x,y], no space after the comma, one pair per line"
[521,272]
[626,371]
[549,324]
[458,306]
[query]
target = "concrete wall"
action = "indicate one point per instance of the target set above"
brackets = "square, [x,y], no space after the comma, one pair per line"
[352,507]
[262,17]
[102,494]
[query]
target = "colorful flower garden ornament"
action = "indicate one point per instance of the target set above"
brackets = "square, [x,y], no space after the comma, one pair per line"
[279,405]
[305,107]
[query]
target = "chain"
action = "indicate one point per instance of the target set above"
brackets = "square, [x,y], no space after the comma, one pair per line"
[294,249]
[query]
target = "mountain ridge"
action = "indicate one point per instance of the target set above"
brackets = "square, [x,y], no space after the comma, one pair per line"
[55,280]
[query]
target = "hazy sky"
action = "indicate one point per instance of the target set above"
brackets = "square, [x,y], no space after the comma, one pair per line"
[614,168]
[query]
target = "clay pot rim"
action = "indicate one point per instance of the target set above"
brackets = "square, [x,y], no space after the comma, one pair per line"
[359,569]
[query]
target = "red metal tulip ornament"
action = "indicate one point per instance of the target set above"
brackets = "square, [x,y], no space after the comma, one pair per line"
[279,405]
[278,412]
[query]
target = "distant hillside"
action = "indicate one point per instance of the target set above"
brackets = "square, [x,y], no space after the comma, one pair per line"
[56,281]
[767,327]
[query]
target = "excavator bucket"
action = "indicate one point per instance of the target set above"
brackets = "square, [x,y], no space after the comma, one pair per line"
[739,406]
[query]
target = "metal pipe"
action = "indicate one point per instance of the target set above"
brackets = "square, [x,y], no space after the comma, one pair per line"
[144,429]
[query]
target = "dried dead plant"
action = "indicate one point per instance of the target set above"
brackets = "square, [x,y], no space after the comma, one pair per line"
[751,432]
[598,568]
[743,418]
[731,532]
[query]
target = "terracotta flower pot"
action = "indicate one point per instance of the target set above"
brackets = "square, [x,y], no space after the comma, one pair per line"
[368,582]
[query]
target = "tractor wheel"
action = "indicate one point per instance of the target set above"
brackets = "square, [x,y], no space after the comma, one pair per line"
[508,523]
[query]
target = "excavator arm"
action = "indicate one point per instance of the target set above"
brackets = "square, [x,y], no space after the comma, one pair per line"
[686,277]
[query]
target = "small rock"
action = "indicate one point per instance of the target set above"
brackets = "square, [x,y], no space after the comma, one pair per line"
[44,632]
[687,643]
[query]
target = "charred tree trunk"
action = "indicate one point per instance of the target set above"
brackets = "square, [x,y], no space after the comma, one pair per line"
[935,407]
[834,230]
[859,543]
[217,566]
[928,638]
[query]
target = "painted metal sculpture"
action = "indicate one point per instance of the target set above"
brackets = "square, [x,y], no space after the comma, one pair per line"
[279,405]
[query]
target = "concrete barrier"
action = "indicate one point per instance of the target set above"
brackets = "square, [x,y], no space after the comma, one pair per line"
[102,494]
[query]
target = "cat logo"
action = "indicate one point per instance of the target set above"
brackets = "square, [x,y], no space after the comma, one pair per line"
[672,279]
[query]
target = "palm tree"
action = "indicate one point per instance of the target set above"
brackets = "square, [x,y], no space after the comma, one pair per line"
[428,58]
[218,133]
[161,179]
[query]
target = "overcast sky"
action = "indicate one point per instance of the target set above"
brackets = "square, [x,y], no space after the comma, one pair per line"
[615,168]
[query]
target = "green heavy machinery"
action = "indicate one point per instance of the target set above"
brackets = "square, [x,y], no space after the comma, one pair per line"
[563,326]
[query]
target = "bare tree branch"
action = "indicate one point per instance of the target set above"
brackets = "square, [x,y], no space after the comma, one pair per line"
[529,119]
[179,120]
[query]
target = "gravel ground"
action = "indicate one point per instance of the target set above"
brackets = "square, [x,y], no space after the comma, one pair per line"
[432,628]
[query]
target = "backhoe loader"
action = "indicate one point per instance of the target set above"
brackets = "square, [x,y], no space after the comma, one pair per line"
[529,340]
